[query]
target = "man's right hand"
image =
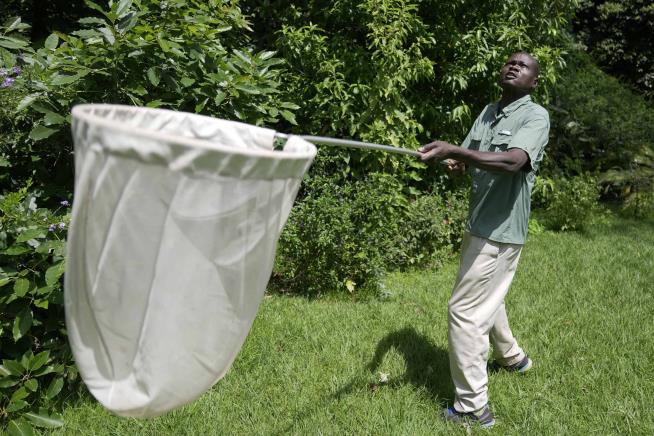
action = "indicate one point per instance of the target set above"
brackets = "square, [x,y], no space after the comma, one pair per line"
[454,167]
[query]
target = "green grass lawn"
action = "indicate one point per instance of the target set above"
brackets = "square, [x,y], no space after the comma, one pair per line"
[582,306]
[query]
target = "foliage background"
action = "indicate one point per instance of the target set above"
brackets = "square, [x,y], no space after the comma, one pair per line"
[618,36]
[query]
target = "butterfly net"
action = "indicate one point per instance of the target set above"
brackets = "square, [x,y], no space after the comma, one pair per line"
[173,236]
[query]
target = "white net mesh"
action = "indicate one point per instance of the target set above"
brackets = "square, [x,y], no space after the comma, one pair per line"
[175,225]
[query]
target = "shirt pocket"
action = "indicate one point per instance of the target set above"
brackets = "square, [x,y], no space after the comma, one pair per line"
[475,142]
[500,143]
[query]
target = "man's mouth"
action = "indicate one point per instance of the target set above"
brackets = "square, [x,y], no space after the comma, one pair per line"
[510,76]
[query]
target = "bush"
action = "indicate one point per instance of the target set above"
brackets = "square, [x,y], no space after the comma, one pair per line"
[601,126]
[36,360]
[339,237]
[197,56]
[434,228]
[344,237]
[568,203]
[618,36]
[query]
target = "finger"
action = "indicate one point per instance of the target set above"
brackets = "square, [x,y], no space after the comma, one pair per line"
[428,147]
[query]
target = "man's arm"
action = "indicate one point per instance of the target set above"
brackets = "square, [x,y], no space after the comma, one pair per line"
[510,161]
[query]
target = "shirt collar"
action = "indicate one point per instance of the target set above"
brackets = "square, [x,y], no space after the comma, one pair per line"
[506,111]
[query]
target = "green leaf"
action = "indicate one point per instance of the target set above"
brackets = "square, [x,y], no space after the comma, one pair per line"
[43,108]
[30,234]
[21,287]
[39,360]
[87,33]
[17,250]
[108,35]
[163,43]
[4,372]
[32,384]
[155,103]
[220,96]
[42,420]
[14,25]
[92,20]
[53,118]
[12,43]
[242,56]
[51,41]
[58,247]
[41,132]
[248,89]
[27,101]
[15,406]
[123,7]
[135,53]
[289,105]
[25,359]
[19,394]
[266,55]
[127,22]
[44,370]
[201,105]
[20,427]
[55,387]
[43,304]
[153,76]
[288,116]
[94,6]
[187,81]
[8,382]
[54,272]
[13,367]
[22,323]
[64,79]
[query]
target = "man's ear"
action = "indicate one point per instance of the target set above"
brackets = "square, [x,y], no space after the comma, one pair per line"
[534,84]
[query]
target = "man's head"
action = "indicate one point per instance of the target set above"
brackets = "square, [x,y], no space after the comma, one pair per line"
[519,73]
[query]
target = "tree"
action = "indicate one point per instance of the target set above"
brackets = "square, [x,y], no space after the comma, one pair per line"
[618,35]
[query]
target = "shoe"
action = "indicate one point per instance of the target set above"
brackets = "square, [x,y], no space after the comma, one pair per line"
[523,366]
[484,417]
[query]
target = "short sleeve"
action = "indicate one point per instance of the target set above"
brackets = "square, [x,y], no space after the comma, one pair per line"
[532,138]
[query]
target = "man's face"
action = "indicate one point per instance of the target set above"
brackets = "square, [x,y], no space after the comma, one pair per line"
[519,72]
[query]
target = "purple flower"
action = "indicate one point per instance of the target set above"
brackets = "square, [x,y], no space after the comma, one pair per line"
[7,82]
[52,227]
[65,203]
[17,71]
[62,226]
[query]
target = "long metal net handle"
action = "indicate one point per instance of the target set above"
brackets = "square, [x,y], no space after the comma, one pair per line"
[353,144]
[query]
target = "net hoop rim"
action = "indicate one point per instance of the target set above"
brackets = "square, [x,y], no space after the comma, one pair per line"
[83,113]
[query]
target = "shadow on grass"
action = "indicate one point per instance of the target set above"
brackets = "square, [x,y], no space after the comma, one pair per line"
[427,369]
[427,366]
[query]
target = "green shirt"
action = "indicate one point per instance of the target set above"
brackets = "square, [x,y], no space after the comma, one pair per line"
[500,203]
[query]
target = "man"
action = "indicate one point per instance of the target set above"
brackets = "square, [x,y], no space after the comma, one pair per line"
[504,148]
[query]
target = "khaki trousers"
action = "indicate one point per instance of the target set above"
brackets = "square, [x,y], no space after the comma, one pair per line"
[476,316]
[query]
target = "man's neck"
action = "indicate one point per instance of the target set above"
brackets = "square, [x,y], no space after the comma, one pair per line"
[509,96]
